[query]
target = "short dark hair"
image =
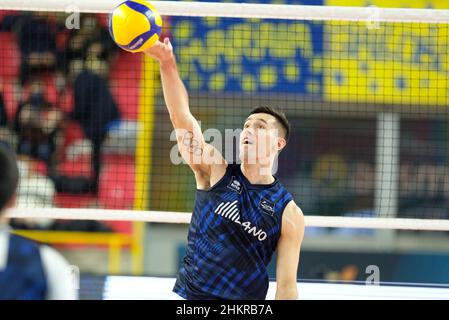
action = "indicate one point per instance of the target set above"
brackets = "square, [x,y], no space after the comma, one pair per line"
[9,175]
[279,115]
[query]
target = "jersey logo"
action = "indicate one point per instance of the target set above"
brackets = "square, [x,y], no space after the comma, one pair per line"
[235,185]
[266,206]
[229,210]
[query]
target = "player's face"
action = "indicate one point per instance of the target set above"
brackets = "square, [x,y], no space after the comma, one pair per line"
[259,138]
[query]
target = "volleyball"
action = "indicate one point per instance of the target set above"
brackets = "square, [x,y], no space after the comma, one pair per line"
[135,25]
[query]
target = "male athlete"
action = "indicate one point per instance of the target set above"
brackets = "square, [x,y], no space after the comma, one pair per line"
[28,271]
[242,214]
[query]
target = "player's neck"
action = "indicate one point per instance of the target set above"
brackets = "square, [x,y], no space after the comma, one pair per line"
[256,174]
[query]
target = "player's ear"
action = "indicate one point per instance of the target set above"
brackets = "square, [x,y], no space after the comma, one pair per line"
[281,143]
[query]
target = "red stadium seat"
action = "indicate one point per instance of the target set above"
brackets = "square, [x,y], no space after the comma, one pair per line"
[120,226]
[10,56]
[81,167]
[9,71]
[73,132]
[68,200]
[11,93]
[125,83]
[116,187]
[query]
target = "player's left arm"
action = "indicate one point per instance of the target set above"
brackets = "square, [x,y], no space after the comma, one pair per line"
[288,249]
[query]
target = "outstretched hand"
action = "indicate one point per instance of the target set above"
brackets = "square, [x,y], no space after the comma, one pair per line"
[161,51]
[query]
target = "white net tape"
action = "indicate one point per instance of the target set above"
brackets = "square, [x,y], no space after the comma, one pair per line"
[183,218]
[243,10]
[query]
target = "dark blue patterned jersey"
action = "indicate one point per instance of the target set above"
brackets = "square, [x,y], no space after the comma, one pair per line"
[233,234]
[23,277]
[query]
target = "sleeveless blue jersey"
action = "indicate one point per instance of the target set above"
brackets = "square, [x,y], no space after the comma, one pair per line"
[233,233]
[24,276]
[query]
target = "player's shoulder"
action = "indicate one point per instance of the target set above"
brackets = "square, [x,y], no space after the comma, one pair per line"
[52,258]
[19,241]
[293,208]
[293,214]
[61,276]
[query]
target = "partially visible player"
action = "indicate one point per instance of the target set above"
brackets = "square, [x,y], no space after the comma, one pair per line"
[28,271]
[242,213]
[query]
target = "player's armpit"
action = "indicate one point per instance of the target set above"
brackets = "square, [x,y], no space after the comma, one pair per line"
[288,251]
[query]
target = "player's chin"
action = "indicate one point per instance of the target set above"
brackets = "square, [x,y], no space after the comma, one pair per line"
[247,155]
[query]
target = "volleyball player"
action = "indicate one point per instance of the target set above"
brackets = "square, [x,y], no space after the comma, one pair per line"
[28,271]
[242,213]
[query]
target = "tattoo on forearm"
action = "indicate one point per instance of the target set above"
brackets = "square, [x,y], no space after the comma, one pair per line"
[193,145]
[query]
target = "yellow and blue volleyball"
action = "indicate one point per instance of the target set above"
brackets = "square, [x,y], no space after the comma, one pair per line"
[135,25]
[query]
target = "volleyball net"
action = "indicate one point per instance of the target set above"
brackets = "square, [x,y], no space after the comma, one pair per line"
[365,90]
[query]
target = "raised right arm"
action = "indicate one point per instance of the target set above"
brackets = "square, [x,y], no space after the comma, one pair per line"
[204,160]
